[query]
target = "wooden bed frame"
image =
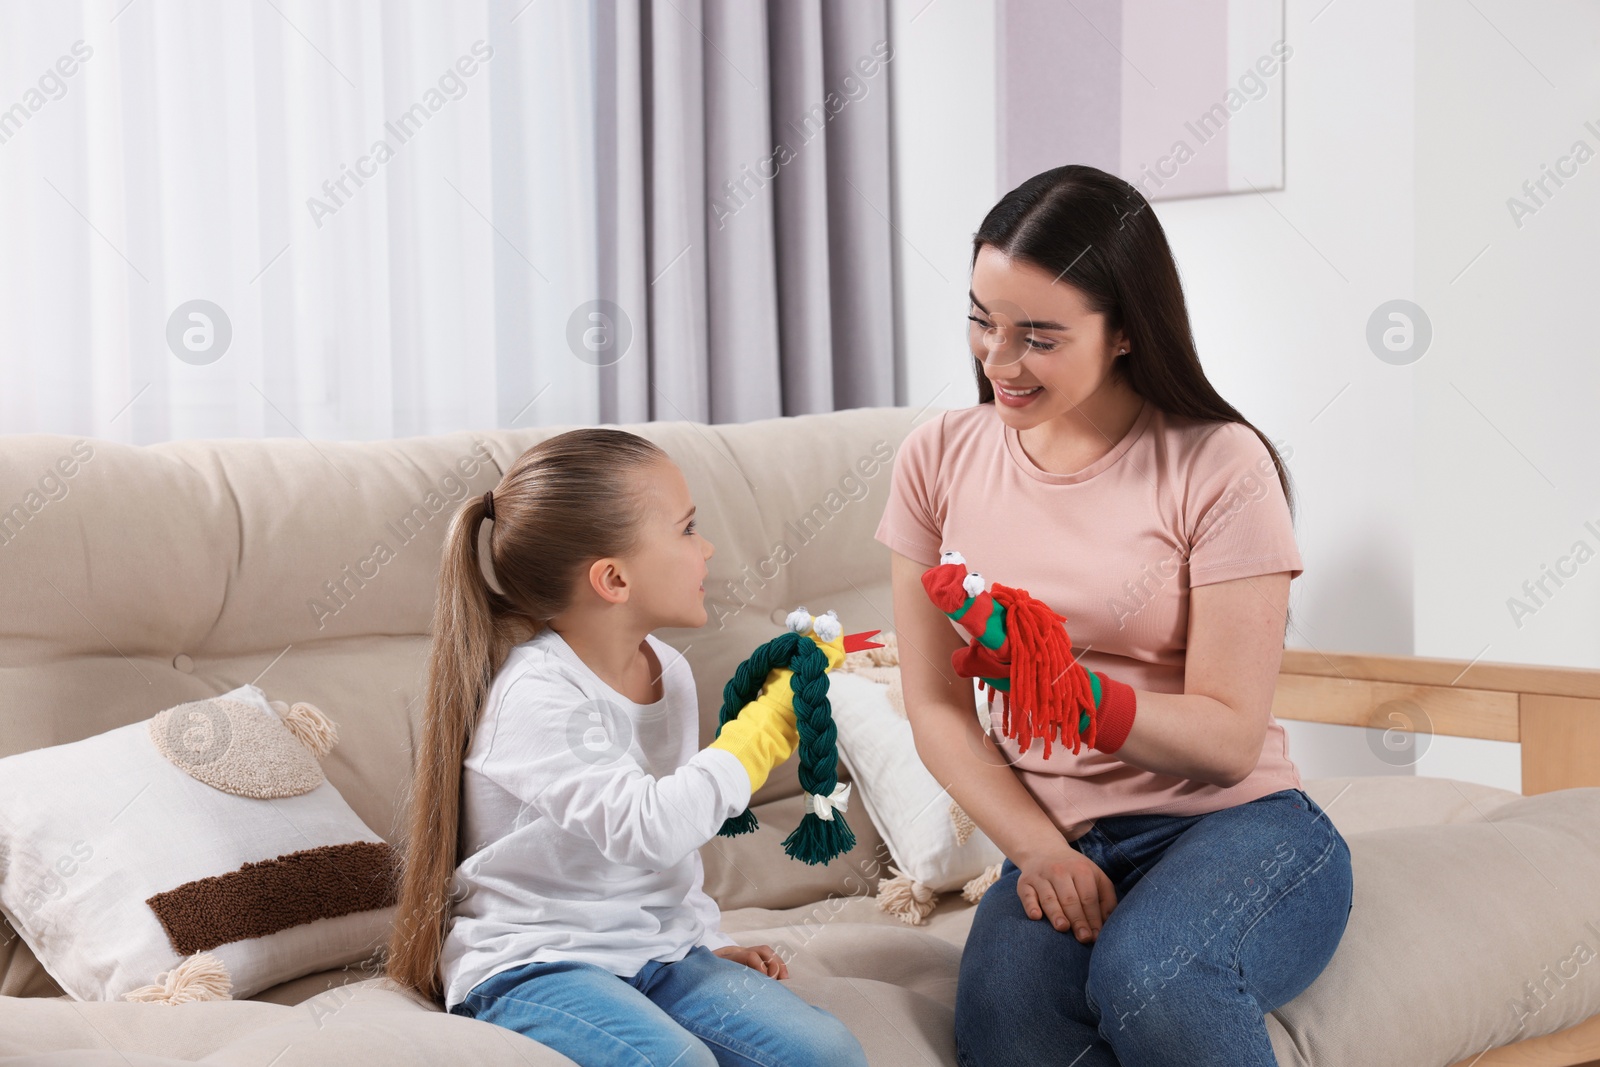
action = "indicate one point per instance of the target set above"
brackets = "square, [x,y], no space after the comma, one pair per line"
[1552,712]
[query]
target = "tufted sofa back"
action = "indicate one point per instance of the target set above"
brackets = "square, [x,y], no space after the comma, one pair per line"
[136,578]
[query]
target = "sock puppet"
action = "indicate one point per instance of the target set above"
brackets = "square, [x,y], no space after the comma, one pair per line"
[1020,648]
[791,709]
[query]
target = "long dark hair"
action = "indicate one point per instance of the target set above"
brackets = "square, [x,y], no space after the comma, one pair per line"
[1098,233]
[565,502]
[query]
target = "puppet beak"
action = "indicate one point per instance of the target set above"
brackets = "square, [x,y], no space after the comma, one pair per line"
[861,641]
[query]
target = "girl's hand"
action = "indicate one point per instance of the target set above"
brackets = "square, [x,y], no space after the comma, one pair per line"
[1062,884]
[758,957]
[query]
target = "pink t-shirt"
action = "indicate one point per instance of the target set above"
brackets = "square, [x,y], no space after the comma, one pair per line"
[1114,548]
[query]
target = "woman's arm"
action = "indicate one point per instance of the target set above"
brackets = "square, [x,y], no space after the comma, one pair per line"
[942,708]
[1055,880]
[1213,731]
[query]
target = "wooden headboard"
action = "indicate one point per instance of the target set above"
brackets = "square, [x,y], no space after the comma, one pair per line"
[1553,712]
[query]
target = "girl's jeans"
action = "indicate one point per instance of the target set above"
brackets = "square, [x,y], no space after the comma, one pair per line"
[699,1011]
[1220,918]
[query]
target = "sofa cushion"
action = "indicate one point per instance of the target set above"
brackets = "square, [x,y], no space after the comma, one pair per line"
[1409,984]
[893,986]
[371,1021]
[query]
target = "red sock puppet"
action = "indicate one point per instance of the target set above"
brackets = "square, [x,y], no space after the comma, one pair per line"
[1020,648]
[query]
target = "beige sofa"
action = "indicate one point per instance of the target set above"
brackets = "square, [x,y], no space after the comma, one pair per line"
[156,575]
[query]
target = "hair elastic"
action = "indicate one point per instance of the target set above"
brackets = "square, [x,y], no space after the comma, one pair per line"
[488,505]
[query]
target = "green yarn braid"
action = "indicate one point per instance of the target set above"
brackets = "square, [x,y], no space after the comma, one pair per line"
[815,840]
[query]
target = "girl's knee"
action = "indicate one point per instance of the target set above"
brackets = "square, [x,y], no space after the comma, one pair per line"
[698,1055]
[694,1054]
[833,1044]
[660,1048]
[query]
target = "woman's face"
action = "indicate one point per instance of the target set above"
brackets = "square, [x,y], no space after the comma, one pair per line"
[1031,330]
[669,566]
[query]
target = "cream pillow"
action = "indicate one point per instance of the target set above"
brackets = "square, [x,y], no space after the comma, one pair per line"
[196,855]
[1462,936]
[935,846]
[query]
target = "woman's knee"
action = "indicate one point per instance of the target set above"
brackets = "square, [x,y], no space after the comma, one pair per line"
[1136,965]
[1285,951]
[1119,982]
[1156,995]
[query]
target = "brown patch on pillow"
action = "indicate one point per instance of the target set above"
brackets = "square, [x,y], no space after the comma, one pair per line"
[262,898]
[235,747]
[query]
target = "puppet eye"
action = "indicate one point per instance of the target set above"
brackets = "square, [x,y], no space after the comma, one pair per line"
[827,626]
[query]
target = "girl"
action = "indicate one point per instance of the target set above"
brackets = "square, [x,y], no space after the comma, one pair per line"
[1165,889]
[563,735]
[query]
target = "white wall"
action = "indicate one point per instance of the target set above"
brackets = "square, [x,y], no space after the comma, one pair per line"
[1407,125]
[1507,395]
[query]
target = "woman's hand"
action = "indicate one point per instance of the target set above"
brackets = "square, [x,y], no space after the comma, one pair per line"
[1062,884]
[758,957]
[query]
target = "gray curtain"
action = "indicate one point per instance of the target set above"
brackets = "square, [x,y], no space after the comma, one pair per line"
[742,165]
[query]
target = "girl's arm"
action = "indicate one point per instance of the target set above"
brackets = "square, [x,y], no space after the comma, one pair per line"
[1213,730]
[566,756]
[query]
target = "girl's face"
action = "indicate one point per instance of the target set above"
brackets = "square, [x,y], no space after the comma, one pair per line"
[670,564]
[1031,330]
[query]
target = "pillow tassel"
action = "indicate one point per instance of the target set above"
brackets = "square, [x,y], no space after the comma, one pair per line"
[973,891]
[908,900]
[200,977]
[312,728]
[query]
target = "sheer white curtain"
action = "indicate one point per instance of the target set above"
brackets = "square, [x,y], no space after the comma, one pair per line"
[401,214]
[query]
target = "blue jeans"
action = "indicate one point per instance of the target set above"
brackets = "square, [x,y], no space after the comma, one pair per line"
[1220,918]
[699,1011]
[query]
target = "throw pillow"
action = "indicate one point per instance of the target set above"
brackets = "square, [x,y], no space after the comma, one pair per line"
[934,844]
[197,855]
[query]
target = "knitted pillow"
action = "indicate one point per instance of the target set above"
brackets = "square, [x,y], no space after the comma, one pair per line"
[934,844]
[196,855]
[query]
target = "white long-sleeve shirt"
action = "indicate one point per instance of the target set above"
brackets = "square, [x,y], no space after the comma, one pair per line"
[583,816]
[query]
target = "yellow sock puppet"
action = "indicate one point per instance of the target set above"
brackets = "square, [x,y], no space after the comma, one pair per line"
[777,700]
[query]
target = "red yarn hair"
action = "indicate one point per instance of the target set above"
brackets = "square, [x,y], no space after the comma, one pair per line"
[1051,687]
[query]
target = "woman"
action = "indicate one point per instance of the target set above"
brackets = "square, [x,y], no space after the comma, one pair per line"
[1165,889]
